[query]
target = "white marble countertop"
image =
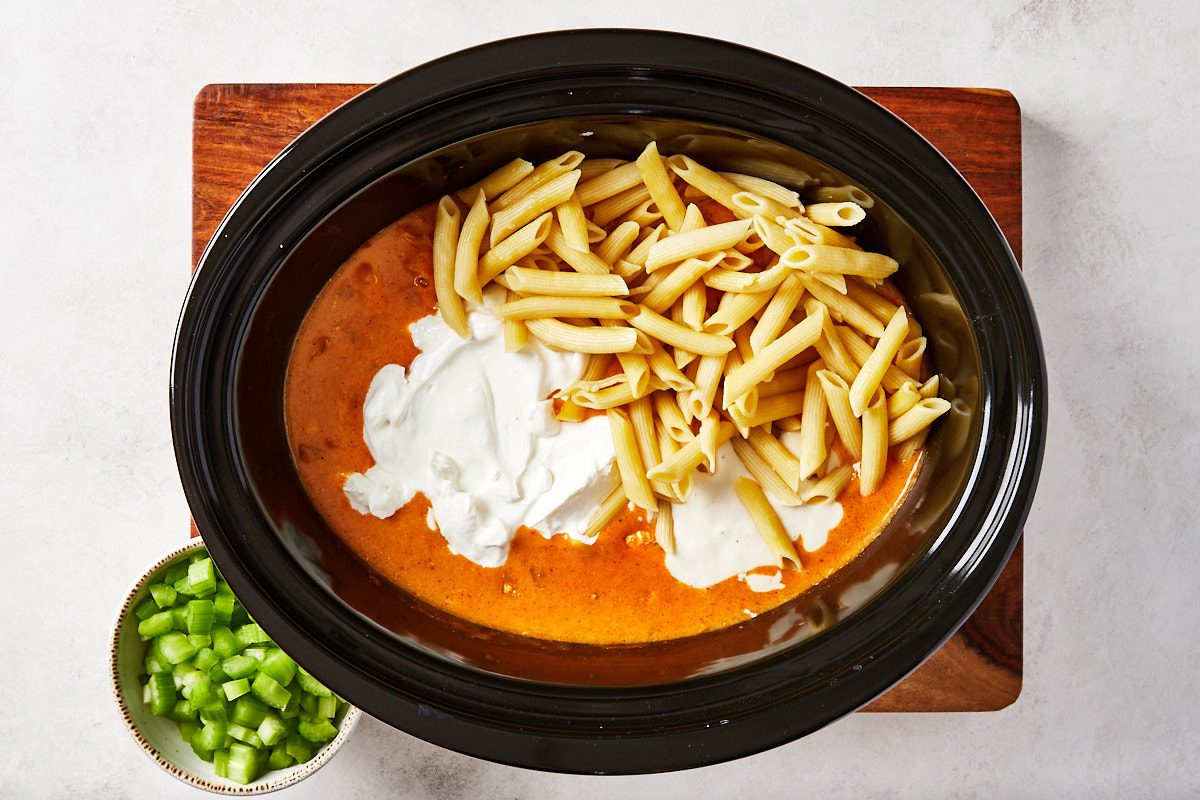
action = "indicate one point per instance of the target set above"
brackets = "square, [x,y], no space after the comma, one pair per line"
[95,137]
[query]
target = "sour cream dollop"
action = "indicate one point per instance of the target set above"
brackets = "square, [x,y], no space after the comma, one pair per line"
[471,428]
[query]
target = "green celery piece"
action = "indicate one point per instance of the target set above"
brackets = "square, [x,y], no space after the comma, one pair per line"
[249,711]
[292,709]
[271,730]
[269,690]
[164,595]
[211,736]
[200,640]
[244,734]
[181,712]
[200,614]
[179,618]
[224,642]
[162,693]
[221,762]
[252,633]
[243,763]
[308,704]
[153,664]
[279,666]
[205,755]
[188,729]
[176,572]
[223,605]
[311,685]
[202,577]
[235,689]
[327,707]
[201,692]
[317,732]
[215,711]
[156,624]
[145,609]
[182,587]
[175,647]
[239,666]
[279,757]
[206,658]
[299,748]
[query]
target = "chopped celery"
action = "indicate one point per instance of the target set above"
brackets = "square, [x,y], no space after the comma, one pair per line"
[202,577]
[235,689]
[223,605]
[187,730]
[215,711]
[311,685]
[244,734]
[221,763]
[175,573]
[279,757]
[239,666]
[162,693]
[153,664]
[252,633]
[205,755]
[299,748]
[181,712]
[271,730]
[224,642]
[268,690]
[318,731]
[279,666]
[308,704]
[243,763]
[179,618]
[200,615]
[175,647]
[164,595]
[327,707]
[257,653]
[211,736]
[249,712]
[156,624]
[205,658]
[183,587]
[200,640]
[145,609]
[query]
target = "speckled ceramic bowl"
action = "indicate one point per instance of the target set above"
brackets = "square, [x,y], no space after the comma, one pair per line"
[158,736]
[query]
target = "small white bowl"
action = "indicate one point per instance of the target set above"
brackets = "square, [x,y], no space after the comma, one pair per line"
[158,736]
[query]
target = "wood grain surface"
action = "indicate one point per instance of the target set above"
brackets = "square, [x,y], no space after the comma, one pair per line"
[239,128]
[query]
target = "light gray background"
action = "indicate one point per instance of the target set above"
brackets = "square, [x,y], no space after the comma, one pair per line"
[95,137]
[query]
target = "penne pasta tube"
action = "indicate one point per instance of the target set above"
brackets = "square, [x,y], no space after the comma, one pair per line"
[735,261]
[609,184]
[829,487]
[497,182]
[749,204]
[773,236]
[708,379]
[764,188]
[514,248]
[543,307]
[664,368]
[812,424]
[734,311]
[746,282]
[781,460]
[837,399]
[645,214]
[680,464]
[629,461]
[930,387]
[466,257]
[573,223]
[694,306]
[708,182]
[675,281]
[860,351]
[594,167]
[840,260]
[642,249]
[875,445]
[870,299]
[770,409]
[789,424]
[788,380]
[445,245]
[769,168]
[595,233]
[541,175]
[515,334]
[760,469]
[572,284]
[662,190]
[870,375]
[709,428]
[664,527]
[904,398]
[608,210]
[909,356]
[842,194]
[569,412]
[910,446]
[842,307]
[766,521]
[582,261]
[755,369]
[777,312]
[696,243]
[607,512]
[641,416]
[671,417]
[665,330]
[633,365]
[832,350]
[806,231]
[532,205]
[596,367]
[841,214]
[917,418]
[693,219]
[557,334]
[617,244]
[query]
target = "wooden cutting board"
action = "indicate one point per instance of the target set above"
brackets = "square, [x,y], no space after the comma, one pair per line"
[238,128]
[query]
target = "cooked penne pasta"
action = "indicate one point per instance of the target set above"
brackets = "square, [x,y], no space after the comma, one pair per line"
[610,184]
[664,526]
[445,245]
[543,307]
[842,194]
[805,231]
[772,357]
[466,257]
[530,206]
[870,299]
[593,167]
[788,380]
[709,428]
[535,281]
[644,214]
[629,461]
[789,424]
[760,469]
[676,280]
[696,243]
[917,418]
[875,445]
[642,249]
[664,368]
[773,236]
[633,365]
[583,261]
[665,330]
[734,311]
[497,182]
[708,182]
[541,175]
[904,398]
[930,387]
[607,512]
[557,334]
[694,306]
[679,465]
[749,204]
[837,399]
[608,210]
[671,417]
[777,312]
[617,244]
[596,367]
[860,351]
[812,424]
[828,488]
[641,416]
[708,380]
[870,376]
[843,308]
[909,356]
[746,282]
[693,219]
[781,460]
[515,334]
[514,248]
[662,190]
[766,521]
[573,223]
[771,409]
[832,349]
[840,260]
[762,187]
[842,214]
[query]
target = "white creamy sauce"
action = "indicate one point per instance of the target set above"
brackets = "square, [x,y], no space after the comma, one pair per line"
[715,539]
[471,428]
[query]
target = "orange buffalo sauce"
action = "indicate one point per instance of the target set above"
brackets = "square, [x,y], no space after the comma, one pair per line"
[614,591]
